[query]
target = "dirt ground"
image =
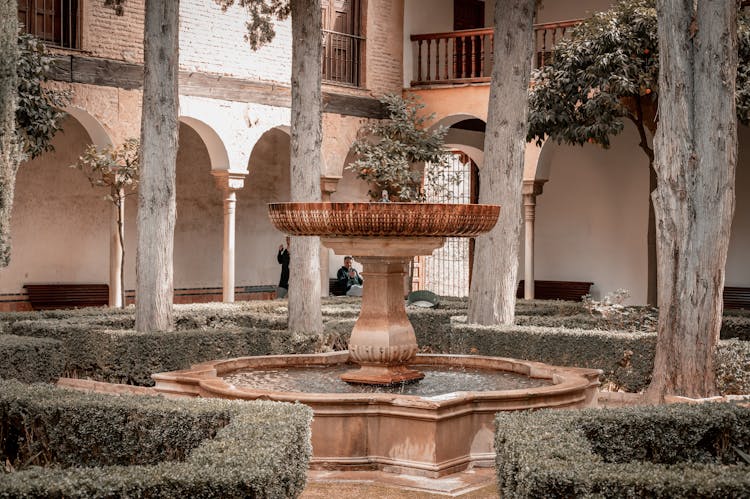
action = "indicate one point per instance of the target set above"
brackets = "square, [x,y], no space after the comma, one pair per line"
[367,491]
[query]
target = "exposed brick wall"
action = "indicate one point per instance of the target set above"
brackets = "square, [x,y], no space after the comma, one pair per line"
[384,60]
[111,36]
[213,41]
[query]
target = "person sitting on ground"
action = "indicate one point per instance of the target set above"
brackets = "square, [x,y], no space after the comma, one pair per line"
[348,275]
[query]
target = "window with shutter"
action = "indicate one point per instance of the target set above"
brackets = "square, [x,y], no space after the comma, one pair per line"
[56,22]
[343,43]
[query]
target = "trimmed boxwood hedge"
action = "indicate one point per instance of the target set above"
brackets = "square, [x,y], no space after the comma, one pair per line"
[100,343]
[31,359]
[72,444]
[664,451]
[627,358]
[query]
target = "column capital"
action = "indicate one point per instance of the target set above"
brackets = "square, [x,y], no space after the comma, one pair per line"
[329,184]
[229,180]
[533,187]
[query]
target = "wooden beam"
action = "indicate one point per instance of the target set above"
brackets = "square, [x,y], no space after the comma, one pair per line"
[111,73]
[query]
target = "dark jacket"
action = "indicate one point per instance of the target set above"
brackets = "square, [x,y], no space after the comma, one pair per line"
[343,276]
[283,259]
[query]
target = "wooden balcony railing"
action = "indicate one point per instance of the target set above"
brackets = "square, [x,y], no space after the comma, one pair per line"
[466,56]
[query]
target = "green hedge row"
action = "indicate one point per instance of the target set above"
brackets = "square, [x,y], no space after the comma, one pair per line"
[31,359]
[70,444]
[96,348]
[627,358]
[665,451]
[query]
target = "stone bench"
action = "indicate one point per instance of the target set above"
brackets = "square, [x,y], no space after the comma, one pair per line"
[736,297]
[55,296]
[557,290]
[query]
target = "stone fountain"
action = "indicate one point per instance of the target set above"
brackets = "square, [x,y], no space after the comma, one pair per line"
[426,435]
[384,237]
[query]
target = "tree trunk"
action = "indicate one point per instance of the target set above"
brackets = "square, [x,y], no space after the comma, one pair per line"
[304,266]
[10,151]
[156,194]
[696,153]
[492,296]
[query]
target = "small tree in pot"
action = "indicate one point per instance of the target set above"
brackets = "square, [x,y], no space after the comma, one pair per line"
[392,154]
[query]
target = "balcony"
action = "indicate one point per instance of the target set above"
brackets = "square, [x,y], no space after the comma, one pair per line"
[460,57]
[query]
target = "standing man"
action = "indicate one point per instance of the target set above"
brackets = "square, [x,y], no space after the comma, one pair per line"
[283,258]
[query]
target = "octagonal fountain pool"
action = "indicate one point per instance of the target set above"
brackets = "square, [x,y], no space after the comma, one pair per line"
[432,430]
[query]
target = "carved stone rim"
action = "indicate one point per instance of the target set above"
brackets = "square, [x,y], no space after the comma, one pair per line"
[383,219]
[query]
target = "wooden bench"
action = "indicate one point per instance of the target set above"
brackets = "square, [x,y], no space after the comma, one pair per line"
[336,287]
[736,297]
[557,290]
[53,296]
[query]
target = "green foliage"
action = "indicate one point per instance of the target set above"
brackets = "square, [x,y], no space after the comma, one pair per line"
[391,151]
[31,359]
[113,167]
[39,106]
[262,12]
[136,446]
[578,97]
[607,72]
[665,451]
[117,6]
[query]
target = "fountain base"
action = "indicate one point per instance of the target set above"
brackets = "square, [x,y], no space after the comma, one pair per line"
[429,436]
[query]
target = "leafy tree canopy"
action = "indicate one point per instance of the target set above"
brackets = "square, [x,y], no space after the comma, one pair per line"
[389,152]
[262,12]
[608,71]
[39,106]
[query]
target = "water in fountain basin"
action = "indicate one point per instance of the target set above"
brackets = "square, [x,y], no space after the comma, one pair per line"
[438,380]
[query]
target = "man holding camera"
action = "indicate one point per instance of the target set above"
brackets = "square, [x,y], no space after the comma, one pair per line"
[348,275]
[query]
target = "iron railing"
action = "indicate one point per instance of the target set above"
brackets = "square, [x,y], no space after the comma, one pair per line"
[342,58]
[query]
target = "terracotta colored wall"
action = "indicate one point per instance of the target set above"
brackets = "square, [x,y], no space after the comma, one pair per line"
[267,182]
[591,220]
[60,224]
[738,259]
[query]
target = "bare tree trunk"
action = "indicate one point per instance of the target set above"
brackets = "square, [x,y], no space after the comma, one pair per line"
[696,154]
[492,297]
[304,266]
[156,193]
[10,150]
[121,239]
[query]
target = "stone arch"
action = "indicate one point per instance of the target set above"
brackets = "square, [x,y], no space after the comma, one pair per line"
[217,151]
[465,133]
[98,135]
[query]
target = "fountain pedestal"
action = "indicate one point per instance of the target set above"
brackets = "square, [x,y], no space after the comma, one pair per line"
[383,340]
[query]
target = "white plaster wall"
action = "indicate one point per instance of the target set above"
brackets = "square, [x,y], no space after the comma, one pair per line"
[564,10]
[592,218]
[60,224]
[423,16]
[213,41]
[199,226]
[738,258]
[237,124]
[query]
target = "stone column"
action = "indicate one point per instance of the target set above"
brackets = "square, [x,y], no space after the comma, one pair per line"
[228,182]
[115,256]
[328,185]
[531,189]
